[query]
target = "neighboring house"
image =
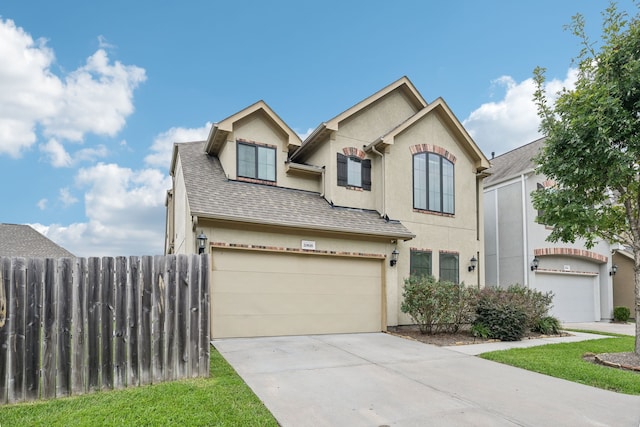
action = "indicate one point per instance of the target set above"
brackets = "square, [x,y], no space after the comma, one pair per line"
[23,241]
[579,278]
[624,280]
[317,236]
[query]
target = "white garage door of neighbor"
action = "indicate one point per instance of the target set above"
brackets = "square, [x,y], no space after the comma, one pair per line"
[270,294]
[574,296]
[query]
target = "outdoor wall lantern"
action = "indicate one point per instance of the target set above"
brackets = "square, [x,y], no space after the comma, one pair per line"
[614,270]
[202,242]
[534,264]
[473,262]
[394,258]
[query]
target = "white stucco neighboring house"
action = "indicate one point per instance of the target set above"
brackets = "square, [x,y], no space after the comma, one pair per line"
[517,251]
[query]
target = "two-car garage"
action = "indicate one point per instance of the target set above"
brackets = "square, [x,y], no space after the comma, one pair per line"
[271,293]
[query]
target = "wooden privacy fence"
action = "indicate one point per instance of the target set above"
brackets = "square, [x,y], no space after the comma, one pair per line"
[74,325]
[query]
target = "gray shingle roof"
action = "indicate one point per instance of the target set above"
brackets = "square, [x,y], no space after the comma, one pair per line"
[212,195]
[18,240]
[513,163]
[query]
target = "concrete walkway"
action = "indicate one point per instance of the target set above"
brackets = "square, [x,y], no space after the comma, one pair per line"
[382,380]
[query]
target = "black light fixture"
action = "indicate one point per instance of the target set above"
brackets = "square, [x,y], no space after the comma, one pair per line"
[534,264]
[202,242]
[394,258]
[472,263]
[614,270]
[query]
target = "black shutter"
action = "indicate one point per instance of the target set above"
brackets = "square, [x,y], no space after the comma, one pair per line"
[366,175]
[342,170]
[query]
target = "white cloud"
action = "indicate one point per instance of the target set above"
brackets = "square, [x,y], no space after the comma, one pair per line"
[56,154]
[95,98]
[42,204]
[125,211]
[513,121]
[304,135]
[66,198]
[163,143]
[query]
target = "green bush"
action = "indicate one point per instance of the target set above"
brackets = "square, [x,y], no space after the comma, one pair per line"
[621,314]
[504,321]
[479,330]
[509,313]
[547,325]
[438,306]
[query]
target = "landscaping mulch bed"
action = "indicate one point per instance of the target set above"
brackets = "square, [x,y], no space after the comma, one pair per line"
[628,361]
[462,337]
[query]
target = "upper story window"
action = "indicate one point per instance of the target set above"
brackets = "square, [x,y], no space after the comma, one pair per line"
[354,172]
[256,161]
[433,183]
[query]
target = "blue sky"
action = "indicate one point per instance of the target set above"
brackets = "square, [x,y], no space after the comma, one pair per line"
[93,94]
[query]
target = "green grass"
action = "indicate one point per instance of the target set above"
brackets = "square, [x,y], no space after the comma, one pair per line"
[565,361]
[223,399]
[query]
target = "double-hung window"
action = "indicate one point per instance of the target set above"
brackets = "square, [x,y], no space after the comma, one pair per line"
[420,263]
[256,161]
[354,172]
[449,267]
[433,183]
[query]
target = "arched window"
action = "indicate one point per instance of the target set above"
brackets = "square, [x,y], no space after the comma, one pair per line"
[433,183]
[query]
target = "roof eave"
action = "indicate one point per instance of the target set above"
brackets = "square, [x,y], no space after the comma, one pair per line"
[244,220]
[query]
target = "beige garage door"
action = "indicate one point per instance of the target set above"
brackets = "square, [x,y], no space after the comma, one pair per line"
[269,294]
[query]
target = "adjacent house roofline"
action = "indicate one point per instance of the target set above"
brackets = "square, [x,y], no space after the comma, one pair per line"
[441,107]
[319,134]
[21,240]
[514,163]
[220,131]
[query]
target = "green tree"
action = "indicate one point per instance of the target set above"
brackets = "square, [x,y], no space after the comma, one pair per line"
[592,150]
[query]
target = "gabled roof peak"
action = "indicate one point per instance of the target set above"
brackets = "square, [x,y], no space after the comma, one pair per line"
[220,131]
[403,84]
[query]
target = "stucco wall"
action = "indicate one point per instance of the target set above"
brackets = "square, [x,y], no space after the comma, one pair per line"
[242,234]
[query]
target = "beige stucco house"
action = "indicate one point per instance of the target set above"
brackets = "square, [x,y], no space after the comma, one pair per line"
[304,235]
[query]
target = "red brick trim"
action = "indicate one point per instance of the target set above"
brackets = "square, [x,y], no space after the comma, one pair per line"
[430,148]
[421,250]
[450,252]
[354,152]
[423,211]
[261,144]
[257,181]
[578,253]
[282,249]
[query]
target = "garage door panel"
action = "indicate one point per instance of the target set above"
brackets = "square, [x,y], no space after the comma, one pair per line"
[279,304]
[268,262]
[248,282]
[301,324]
[574,297]
[294,294]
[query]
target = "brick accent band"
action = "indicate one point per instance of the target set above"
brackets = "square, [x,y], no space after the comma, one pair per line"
[579,253]
[430,148]
[242,246]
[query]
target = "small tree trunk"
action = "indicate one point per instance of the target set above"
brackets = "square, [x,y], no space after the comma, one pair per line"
[637,301]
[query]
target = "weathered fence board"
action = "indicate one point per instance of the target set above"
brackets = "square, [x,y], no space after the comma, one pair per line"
[77,325]
[35,271]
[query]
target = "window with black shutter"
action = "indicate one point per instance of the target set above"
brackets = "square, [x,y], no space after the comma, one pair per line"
[354,172]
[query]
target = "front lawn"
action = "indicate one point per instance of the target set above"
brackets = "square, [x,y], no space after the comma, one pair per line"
[223,399]
[565,361]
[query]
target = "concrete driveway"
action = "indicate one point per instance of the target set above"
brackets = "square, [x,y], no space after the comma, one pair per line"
[383,380]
